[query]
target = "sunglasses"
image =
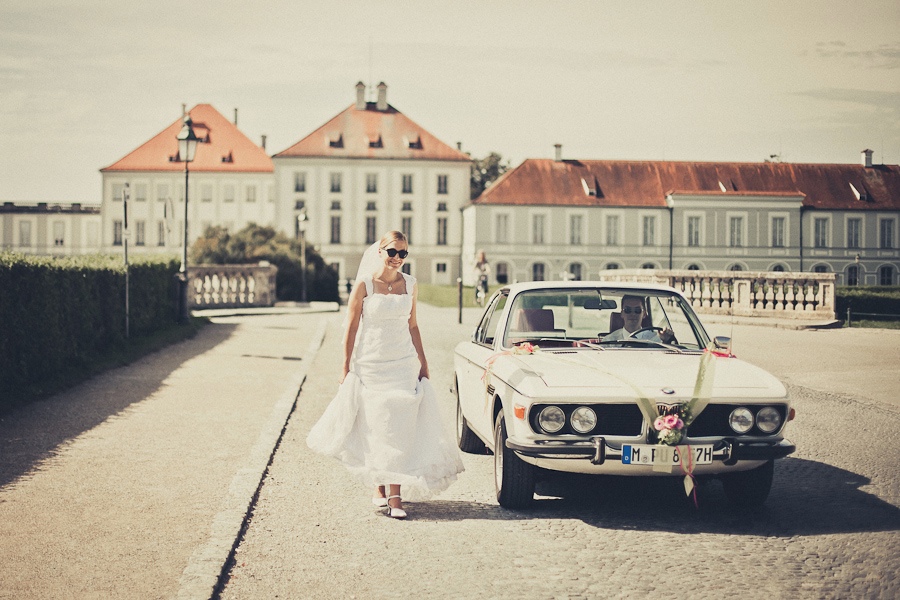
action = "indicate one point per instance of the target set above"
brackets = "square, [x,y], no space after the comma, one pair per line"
[392,252]
[636,310]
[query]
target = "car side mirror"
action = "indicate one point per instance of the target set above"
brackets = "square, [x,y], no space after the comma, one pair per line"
[722,343]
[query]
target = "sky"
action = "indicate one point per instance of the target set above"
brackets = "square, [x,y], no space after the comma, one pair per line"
[84,82]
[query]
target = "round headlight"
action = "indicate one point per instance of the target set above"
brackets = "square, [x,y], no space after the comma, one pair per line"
[583,419]
[741,420]
[768,420]
[552,419]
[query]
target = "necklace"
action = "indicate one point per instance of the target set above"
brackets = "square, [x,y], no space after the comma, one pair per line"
[390,284]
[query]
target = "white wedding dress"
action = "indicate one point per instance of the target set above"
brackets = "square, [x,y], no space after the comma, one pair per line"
[384,424]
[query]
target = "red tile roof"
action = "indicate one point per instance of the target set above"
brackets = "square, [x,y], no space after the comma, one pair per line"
[225,141]
[647,183]
[372,133]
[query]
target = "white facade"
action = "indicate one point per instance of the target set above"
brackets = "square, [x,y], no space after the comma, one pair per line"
[338,217]
[52,229]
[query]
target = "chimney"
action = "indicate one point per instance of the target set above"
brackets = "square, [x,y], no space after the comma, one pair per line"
[235,117]
[558,152]
[360,96]
[263,144]
[183,111]
[382,97]
[866,158]
[459,146]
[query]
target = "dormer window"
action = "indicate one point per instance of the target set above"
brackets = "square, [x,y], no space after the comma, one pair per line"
[376,143]
[336,142]
[413,141]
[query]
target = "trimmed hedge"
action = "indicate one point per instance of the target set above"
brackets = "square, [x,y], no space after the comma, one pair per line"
[56,313]
[880,300]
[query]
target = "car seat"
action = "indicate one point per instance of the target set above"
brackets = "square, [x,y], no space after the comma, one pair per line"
[536,319]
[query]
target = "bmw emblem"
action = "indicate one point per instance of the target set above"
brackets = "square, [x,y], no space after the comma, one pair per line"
[668,390]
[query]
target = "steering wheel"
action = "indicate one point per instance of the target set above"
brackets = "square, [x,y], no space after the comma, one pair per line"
[660,331]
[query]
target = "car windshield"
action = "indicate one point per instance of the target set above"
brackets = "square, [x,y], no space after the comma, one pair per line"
[605,317]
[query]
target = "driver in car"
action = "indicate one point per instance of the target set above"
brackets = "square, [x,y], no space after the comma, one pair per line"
[632,313]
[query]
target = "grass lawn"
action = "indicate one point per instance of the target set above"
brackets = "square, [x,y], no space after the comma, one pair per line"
[873,324]
[122,354]
[447,296]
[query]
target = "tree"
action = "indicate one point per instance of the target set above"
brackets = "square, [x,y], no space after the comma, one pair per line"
[254,243]
[485,171]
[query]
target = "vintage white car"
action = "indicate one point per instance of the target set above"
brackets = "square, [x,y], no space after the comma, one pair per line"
[613,379]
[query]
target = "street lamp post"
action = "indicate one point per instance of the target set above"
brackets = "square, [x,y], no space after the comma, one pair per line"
[187,147]
[301,232]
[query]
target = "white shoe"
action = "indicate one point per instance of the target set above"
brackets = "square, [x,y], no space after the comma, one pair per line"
[394,513]
[380,502]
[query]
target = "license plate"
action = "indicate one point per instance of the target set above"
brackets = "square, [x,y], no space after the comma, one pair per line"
[644,454]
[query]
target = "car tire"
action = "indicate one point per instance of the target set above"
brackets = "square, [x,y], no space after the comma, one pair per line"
[513,477]
[466,439]
[748,489]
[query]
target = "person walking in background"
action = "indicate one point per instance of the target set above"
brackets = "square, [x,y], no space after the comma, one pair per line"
[384,423]
[482,274]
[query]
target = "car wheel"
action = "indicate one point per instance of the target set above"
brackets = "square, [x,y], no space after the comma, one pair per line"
[513,477]
[465,437]
[746,489]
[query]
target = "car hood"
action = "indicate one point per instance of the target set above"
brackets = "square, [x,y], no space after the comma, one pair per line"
[620,371]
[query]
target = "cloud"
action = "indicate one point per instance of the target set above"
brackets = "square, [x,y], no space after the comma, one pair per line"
[883,56]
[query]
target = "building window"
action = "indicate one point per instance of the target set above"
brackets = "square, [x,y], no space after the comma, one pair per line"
[648,266]
[440,267]
[335,229]
[649,238]
[442,231]
[612,266]
[537,272]
[820,269]
[270,193]
[778,232]
[371,230]
[407,184]
[407,206]
[575,224]
[442,207]
[735,267]
[502,273]
[335,205]
[162,192]
[537,230]
[735,232]
[161,233]
[59,233]
[371,183]
[300,204]
[251,193]
[502,233]
[406,228]
[117,190]
[205,193]
[820,238]
[370,206]
[299,182]
[852,275]
[612,230]
[117,233]
[854,227]
[441,184]
[886,239]
[140,233]
[886,275]
[336,183]
[693,233]
[140,192]
[778,269]
[228,193]
[693,267]
[575,271]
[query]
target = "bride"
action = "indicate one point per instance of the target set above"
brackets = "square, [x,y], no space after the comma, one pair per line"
[384,423]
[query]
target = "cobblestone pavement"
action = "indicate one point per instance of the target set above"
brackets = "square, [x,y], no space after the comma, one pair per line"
[828,530]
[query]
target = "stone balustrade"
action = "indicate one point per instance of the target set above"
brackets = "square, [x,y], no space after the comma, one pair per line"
[744,293]
[230,286]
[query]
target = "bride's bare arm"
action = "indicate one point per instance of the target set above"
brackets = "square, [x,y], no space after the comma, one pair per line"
[416,337]
[354,312]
